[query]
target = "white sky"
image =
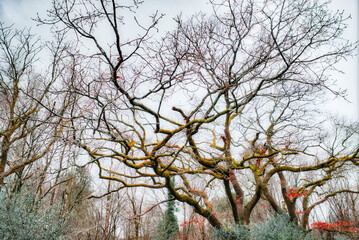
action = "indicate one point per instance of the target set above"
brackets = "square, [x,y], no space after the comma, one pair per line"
[20,12]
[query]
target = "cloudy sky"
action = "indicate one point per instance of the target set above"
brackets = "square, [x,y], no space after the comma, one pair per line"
[20,12]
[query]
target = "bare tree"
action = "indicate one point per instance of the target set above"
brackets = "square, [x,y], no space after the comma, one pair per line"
[182,105]
[31,121]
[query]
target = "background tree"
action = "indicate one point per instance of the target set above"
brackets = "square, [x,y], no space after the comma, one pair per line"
[36,153]
[31,121]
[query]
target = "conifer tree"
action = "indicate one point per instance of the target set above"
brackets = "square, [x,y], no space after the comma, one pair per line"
[167,228]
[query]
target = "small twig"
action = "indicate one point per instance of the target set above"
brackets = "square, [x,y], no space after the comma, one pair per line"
[152,207]
[110,192]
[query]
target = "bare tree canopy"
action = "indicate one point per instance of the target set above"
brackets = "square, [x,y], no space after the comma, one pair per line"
[225,106]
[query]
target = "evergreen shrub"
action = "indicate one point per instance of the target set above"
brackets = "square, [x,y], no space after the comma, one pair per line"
[278,227]
[24,217]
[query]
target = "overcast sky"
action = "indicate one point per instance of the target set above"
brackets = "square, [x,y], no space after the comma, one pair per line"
[20,12]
